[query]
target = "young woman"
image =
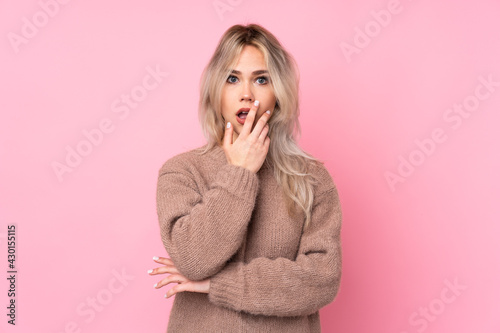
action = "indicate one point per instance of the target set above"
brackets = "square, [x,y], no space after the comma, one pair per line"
[250,221]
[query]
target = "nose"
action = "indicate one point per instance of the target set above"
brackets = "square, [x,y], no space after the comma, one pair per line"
[246,93]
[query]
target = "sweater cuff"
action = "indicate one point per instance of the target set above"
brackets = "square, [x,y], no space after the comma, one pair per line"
[237,180]
[225,287]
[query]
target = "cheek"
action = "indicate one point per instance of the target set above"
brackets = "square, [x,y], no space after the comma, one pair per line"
[270,104]
[224,107]
[271,100]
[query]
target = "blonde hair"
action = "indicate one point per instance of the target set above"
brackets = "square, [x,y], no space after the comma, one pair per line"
[289,161]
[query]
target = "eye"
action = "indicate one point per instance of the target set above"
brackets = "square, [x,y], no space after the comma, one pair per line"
[265,78]
[230,77]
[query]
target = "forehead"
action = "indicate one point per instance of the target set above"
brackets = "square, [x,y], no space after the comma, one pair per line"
[251,58]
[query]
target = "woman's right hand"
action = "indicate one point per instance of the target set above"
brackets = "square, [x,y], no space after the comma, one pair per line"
[250,149]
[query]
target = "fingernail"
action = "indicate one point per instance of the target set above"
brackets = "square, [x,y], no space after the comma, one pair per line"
[155,258]
[155,285]
[166,296]
[228,124]
[268,112]
[256,103]
[150,271]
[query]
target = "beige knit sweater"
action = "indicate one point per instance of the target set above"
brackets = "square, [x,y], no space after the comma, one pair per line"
[223,222]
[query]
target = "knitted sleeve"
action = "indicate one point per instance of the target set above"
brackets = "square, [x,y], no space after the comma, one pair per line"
[202,232]
[283,287]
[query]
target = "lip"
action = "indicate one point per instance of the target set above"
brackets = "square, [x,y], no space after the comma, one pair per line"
[241,110]
[238,119]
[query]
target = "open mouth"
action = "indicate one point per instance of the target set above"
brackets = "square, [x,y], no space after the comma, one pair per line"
[242,113]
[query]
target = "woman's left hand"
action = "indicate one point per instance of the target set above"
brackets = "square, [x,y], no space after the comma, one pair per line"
[183,284]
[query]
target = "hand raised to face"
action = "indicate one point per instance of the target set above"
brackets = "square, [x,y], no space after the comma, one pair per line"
[250,149]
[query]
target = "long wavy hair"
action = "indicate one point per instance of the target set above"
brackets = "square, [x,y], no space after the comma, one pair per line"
[288,160]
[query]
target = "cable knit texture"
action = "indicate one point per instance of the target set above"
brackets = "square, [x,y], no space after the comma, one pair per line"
[223,222]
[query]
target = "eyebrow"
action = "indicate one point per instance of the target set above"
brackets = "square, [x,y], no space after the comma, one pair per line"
[260,71]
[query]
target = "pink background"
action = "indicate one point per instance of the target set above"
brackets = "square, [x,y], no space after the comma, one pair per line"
[363,114]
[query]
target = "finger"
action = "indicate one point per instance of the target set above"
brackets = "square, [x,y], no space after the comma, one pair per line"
[228,135]
[247,126]
[163,260]
[174,278]
[179,288]
[261,123]
[164,269]
[169,266]
[263,134]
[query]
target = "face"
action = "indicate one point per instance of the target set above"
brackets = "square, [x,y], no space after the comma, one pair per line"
[248,82]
